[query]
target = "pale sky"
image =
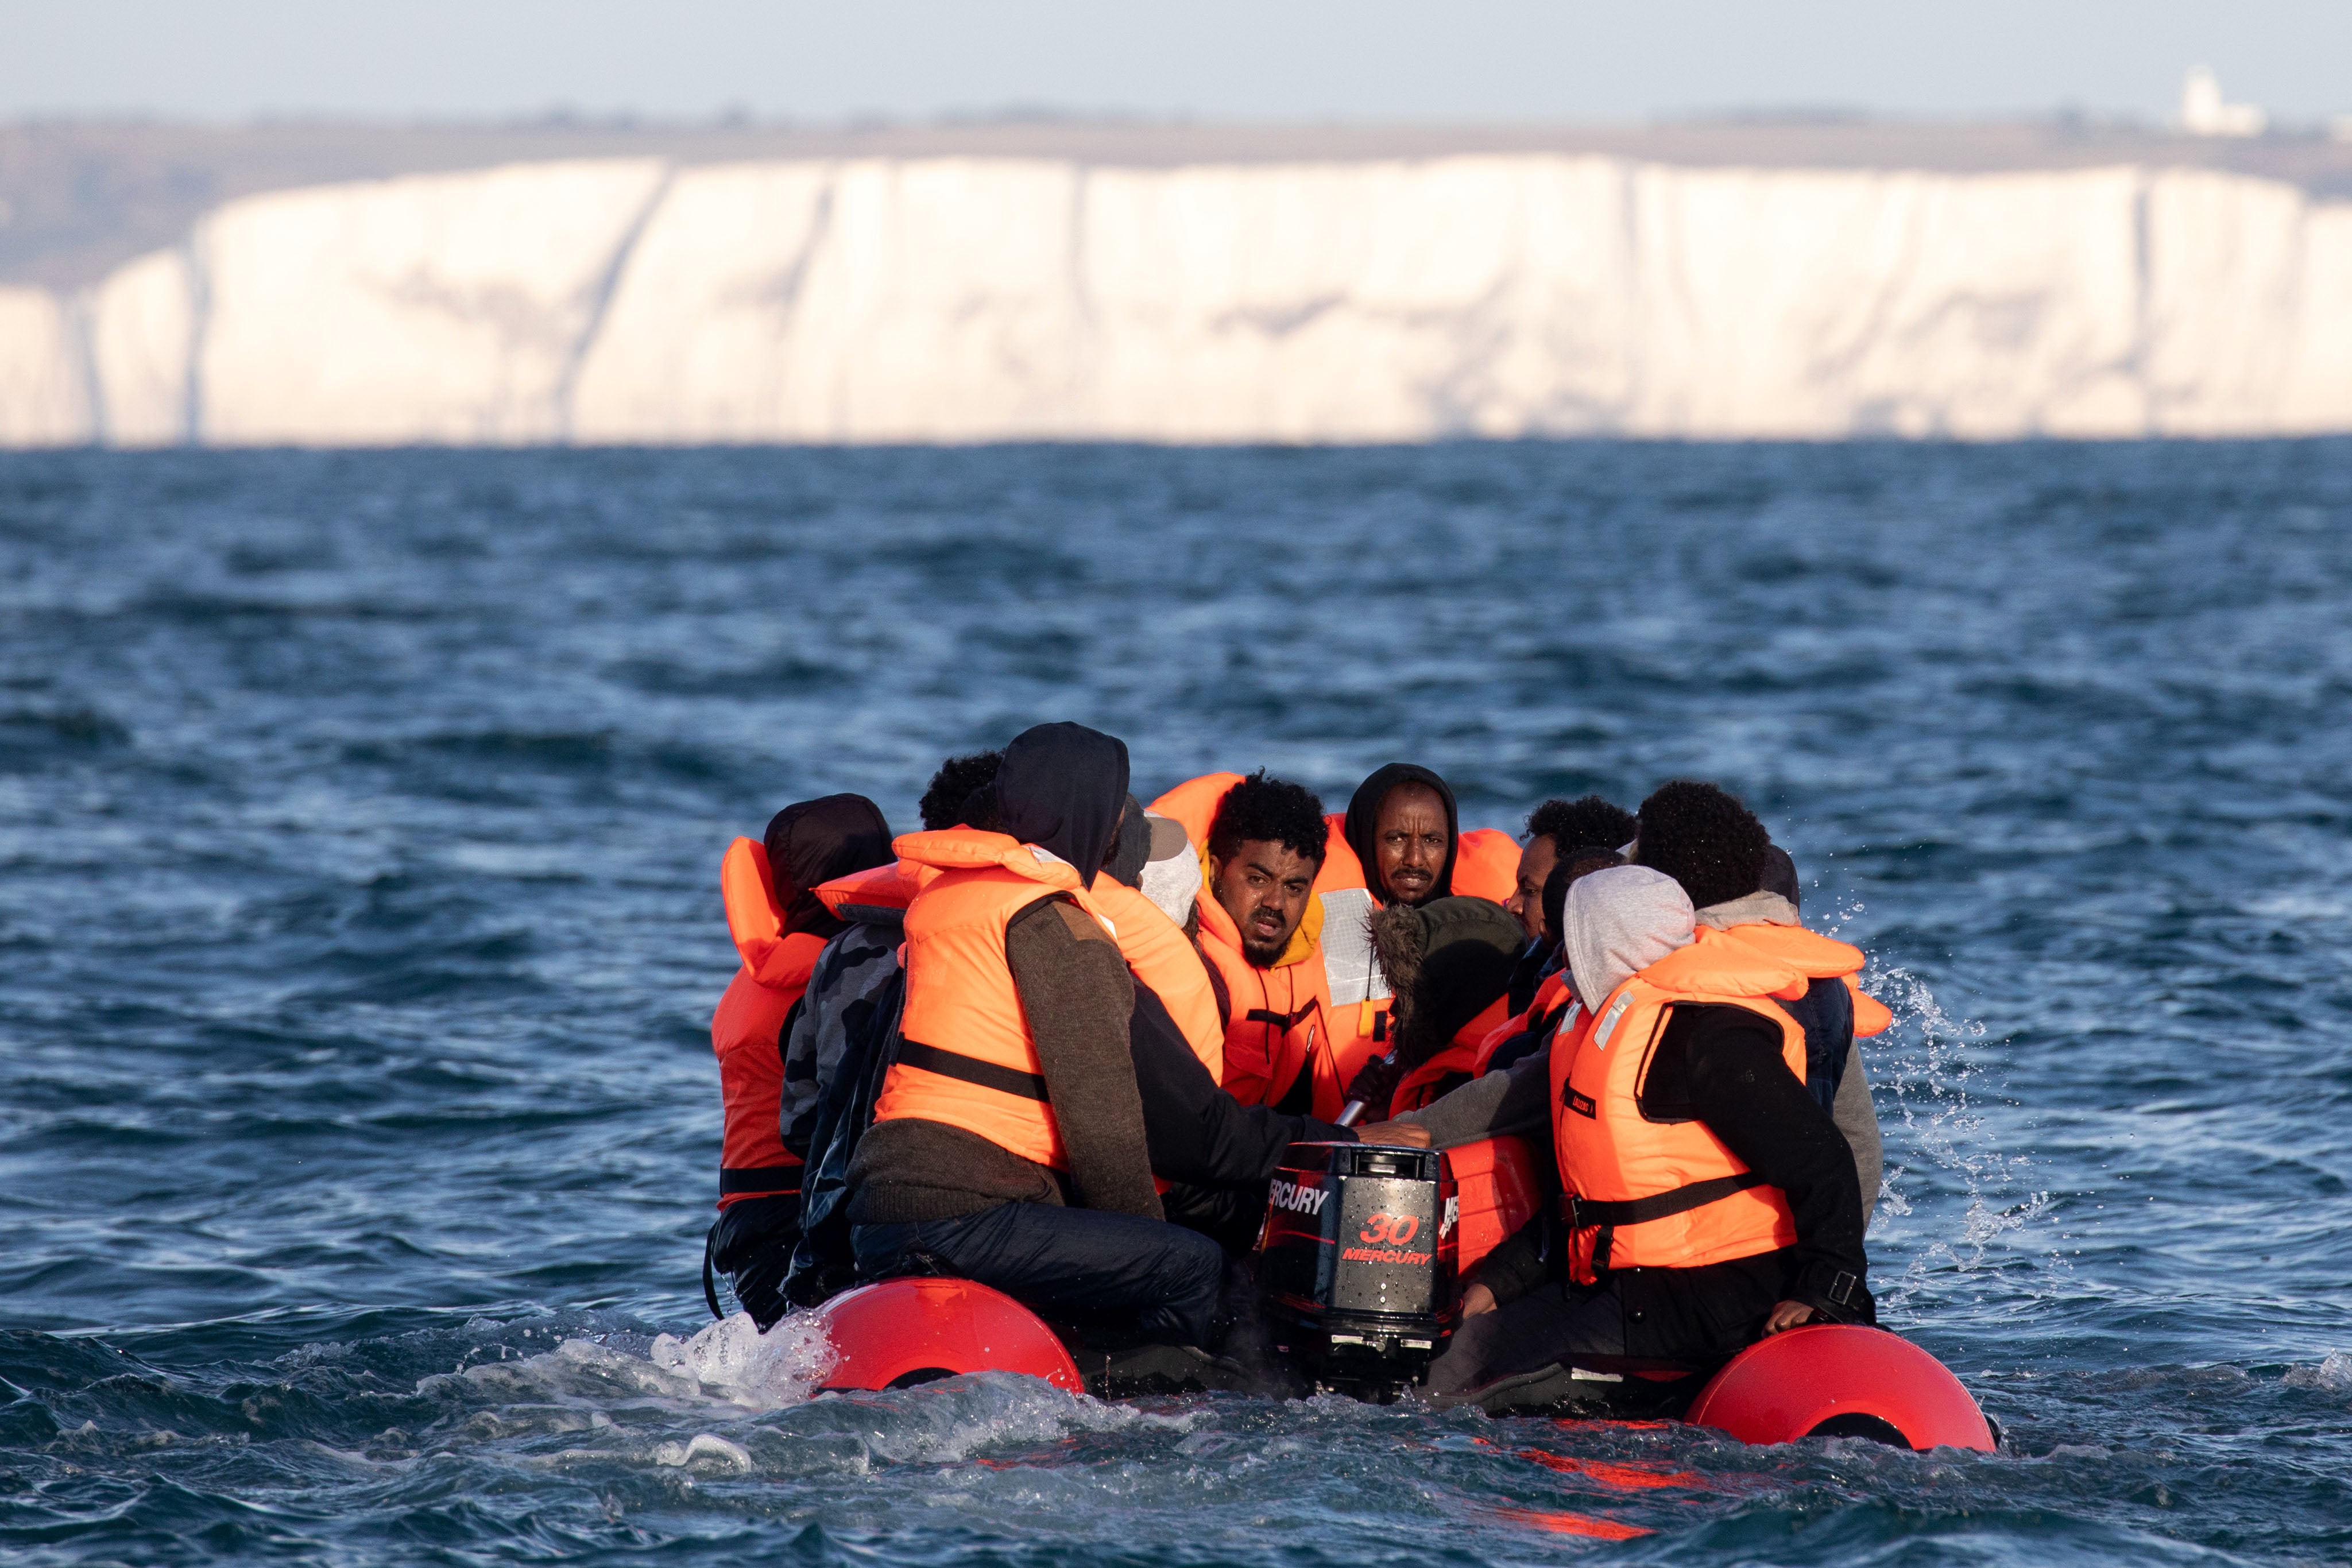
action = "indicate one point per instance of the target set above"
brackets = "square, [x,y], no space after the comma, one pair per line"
[1368,60]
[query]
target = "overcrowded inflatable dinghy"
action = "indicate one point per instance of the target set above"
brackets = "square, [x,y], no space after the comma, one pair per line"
[1357,1272]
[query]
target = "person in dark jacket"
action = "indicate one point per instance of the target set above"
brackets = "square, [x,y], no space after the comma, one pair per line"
[1719,1065]
[808,843]
[1086,1245]
[954,790]
[857,964]
[1685,814]
[1554,829]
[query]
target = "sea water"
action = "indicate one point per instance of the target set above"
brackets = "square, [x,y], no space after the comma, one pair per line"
[361,817]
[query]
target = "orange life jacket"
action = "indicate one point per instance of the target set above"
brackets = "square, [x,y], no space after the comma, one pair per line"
[1276,1027]
[1154,947]
[1552,1002]
[1474,1049]
[1460,1061]
[746,1029]
[1640,1194]
[1276,1023]
[1486,864]
[1158,953]
[1550,995]
[1193,805]
[1802,948]
[1498,1187]
[966,1058]
[885,890]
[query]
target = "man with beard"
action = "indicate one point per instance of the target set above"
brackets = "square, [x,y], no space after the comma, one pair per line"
[1264,846]
[1262,842]
[1404,828]
[1039,1086]
[1400,844]
[1555,829]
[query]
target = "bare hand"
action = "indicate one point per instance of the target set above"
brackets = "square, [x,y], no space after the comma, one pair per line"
[1477,1299]
[1410,1133]
[1788,1316]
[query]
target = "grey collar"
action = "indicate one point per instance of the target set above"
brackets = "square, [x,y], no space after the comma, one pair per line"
[1765,908]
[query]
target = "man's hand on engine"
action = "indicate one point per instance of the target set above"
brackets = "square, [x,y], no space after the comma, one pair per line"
[1788,1316]
[1476,1300]
[1409,1134]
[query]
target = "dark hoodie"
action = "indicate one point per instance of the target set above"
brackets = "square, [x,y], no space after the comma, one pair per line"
[1134,850]
[814,842]
[1062,788]
[1129,1096]
[811,842]
[1362,824]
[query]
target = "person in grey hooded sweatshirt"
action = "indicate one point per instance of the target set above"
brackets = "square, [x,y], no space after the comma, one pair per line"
[1523,1316]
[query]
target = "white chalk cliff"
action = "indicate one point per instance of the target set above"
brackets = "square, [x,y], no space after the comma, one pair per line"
[966,299]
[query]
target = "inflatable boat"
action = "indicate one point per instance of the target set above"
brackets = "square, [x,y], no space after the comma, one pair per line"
[1358,1269]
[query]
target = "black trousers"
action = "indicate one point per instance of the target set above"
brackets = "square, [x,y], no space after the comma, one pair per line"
[1690,1315]
[1075,1266]
[1229,1216]
[752,1245]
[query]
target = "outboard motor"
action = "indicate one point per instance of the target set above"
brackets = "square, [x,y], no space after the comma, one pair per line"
[1357,1264]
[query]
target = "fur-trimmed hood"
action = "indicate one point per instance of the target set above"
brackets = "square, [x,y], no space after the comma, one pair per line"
[1446,962]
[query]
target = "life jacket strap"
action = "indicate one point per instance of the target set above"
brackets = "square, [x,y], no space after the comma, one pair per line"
[1582,1213]
[734,1179]
[971,1070]
[1281,1020]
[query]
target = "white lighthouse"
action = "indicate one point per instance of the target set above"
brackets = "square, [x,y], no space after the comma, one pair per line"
[2203,113]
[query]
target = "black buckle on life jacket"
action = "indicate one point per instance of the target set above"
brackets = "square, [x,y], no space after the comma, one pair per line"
[1580,1218]
[1582,1104]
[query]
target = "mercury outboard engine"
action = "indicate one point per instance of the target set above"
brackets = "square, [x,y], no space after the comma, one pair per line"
[1357,1264]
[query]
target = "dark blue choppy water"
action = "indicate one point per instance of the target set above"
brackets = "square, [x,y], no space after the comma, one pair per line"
[360,823]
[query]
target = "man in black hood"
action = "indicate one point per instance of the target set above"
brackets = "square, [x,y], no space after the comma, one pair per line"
[1095,1058]
[808,843]
[1405,830]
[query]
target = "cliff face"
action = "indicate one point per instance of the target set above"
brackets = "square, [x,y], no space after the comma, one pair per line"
[949,298]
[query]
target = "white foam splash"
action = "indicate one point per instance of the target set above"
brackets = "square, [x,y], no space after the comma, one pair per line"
[576,1370]
[732,1360]
[1928,1071]
[2331,1375]
[705,1451]
[946,1423]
